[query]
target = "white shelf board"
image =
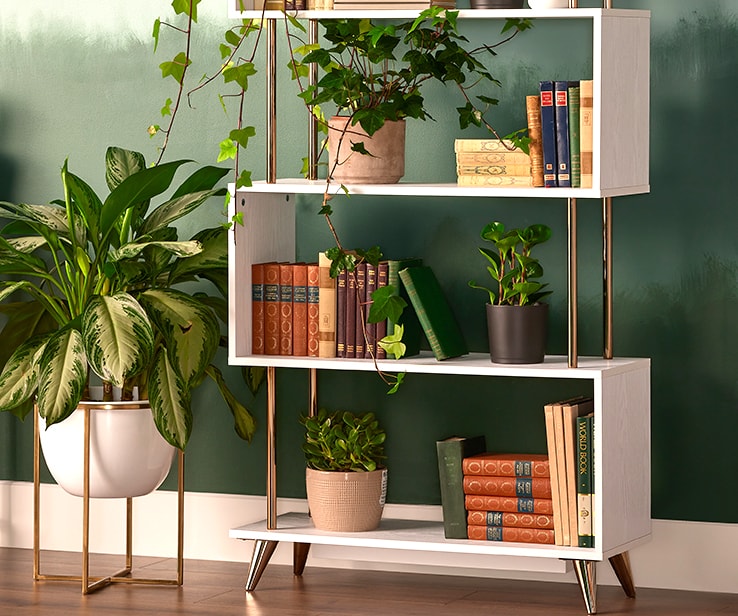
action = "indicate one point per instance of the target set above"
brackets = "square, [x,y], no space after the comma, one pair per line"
[409,189]
[474,364]
[397,534]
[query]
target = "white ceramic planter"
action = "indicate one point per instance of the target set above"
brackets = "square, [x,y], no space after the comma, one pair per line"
[128,456]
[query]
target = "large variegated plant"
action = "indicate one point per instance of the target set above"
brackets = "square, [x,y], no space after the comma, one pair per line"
[94,286]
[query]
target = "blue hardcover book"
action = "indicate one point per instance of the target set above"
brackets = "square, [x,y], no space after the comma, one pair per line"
[548,133]
[563,159]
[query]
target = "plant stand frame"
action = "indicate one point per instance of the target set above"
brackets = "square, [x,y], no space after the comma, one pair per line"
[91,584]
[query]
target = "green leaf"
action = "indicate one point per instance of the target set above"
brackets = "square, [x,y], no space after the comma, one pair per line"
[170,402]
[392,343]
[228,150]
[399,380]
[175,209]
[176,67]
[386,304]
[213,255]
[121,164]
[242,136]
[244,422]
[240,73]
[244,179]
[254,376]
[18,380]
[155,33]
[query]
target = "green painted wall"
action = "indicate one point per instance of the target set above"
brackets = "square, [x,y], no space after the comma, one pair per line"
[80,75]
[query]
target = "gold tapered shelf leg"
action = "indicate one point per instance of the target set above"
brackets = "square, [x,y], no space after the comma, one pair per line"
[586,576]
[621,566]
[263,551]
[300,553]
[89,583]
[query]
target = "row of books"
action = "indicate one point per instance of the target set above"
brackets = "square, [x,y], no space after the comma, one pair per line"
[560,128]
[569,436]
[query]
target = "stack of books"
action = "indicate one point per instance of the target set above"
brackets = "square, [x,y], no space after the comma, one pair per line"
[491,162]
[508,498]
[569,439]
[399,5]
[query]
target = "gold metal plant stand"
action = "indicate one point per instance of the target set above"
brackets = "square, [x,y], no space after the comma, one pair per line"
[90,584]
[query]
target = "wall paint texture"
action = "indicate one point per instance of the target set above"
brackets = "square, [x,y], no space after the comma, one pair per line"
[80,75]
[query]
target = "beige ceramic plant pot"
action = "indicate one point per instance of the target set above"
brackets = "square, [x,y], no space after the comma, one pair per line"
[346,502]
[386,165]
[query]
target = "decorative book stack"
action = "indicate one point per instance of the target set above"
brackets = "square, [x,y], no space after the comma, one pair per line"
[491,162]
[508,497]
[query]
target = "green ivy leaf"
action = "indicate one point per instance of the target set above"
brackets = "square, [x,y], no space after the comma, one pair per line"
[386,304]
[166,110]
[176,67]
[399,380]
[242,135]
[240,73]
[228,149]
[155,33]
[393,344]
[244,180]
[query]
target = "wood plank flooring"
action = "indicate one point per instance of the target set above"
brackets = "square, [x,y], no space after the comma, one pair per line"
[216,588]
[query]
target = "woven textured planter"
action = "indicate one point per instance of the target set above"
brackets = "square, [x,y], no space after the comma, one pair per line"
[346,502]
[386,165]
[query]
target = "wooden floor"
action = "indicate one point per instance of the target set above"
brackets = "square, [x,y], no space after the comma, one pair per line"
[216,588]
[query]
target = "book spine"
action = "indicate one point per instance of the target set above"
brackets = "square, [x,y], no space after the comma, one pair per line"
[480,502]
[285,309]
[506,466]
[548,133]
[506,518]
[485,145]
[451,452]
[586,131]
[497,158]
[257,308]
[313,309]
[523,169]
[561,109]
[413,332]
[271,309]
[299,309]
[508,486]
[519,535]
[382,281]
[563,495]
[549,411]
[585,483]
[341,311]
[535,147]
[574,153]
[327,308]
[370,349]
[494,180]
[359,315]
[350,309]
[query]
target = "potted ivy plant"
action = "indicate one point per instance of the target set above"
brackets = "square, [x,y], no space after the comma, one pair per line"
[92,292]
[345,478]
[517,320]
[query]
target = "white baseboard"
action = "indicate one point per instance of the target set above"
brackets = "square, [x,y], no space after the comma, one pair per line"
[681,555]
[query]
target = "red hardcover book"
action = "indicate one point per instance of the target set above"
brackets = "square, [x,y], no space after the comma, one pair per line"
[313,309]
[503,533]
[271,308]
[285,309]
[349,313]
[299,309]
[342,342]
[257,308]
[360,309]
[370,350]
[382,278]
[507,464]
[481,502]
[528,487]
[508,518]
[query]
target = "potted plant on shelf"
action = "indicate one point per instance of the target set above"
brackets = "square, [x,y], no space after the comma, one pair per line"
[517,320]
[345,480]
[92,288]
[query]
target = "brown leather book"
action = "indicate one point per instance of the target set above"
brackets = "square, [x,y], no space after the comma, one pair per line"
[257,308]
[299,309]
[285,309]
[313,309]
[271,308]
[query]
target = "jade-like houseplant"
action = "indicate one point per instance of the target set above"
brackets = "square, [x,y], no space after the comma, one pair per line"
[98,287]
[517,320]
[345,477]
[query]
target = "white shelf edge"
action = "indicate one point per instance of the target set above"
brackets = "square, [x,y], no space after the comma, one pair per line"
[408,189]
[399,534]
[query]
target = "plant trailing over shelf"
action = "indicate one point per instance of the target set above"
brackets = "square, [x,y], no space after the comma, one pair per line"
[511,265]
[102,284]
[343,441]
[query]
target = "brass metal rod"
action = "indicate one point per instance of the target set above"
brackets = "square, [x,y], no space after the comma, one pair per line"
[129,533]
[36,497]
[86,506]
[572,282]
[180,515]
[271,115]
[313,144]
[271,487]
[607,277]
[313,392]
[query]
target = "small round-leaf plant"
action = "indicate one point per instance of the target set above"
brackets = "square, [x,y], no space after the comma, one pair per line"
[343,441]
[515,272]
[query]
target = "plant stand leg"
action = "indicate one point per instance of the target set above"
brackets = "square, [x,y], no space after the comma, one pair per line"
[621,566]
[300,553]
[263,551]
[585,570]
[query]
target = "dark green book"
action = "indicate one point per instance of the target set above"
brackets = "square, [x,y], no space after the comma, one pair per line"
[413,333]
[585,481]
[574,149]
[451,453]
[434,312]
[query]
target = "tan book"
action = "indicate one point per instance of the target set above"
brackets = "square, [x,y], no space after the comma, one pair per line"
[570,412]
[549,412]
[327,309]
[586,134]
[503,169]
[492,158]
[533,113]
[495,180]
[485,145]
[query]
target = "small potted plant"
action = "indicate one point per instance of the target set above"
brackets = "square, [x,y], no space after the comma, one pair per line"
[517,320]
[345,479]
